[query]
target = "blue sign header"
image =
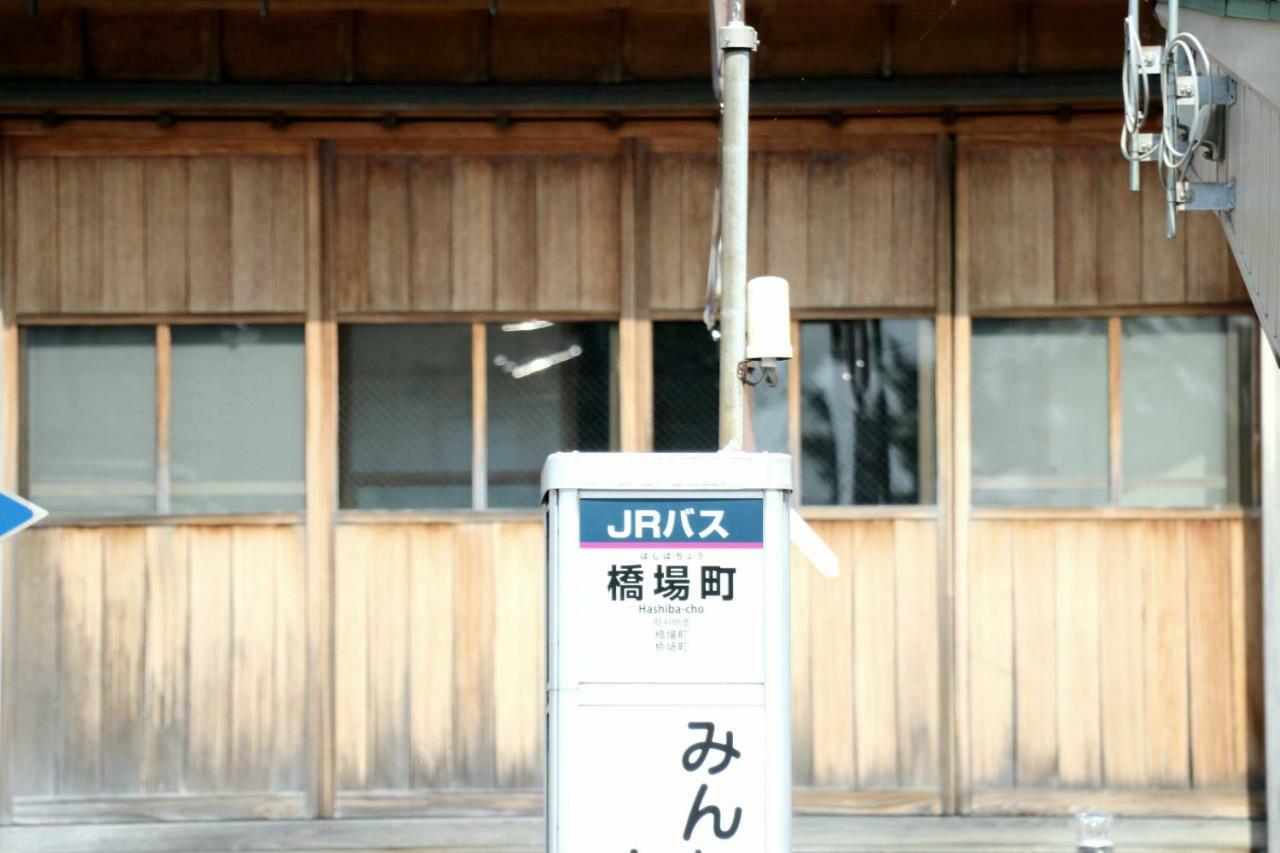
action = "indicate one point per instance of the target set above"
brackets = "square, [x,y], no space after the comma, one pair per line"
[705,522]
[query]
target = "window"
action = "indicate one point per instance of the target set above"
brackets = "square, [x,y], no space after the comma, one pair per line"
[405,416]
[686,377]
[1039,427]
[98,442]
[238,419]
[91,419]
[1044,433]
[1187,393]
[408,410]
[866,415]
[867,412]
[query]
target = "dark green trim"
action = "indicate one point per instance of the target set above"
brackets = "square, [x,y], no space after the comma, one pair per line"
[677,97]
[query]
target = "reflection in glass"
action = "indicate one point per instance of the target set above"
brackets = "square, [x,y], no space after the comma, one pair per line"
[686,382]
[1039,426]
[1186,410]
[867,413]
[404,416]
[91,419]
[238,419]
[551,388]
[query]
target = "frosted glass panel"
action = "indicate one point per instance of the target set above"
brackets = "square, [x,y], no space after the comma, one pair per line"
[405,416]
[1184,414]
[238,428]
[551,387]
[867,412]
[1040,412]
[91,419]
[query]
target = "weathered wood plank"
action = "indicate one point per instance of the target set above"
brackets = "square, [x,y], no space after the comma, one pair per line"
[1078,702]
[349,233]
[253,615]
[79,756]
[473,626]
[37,560]
[831,673]
[516,245]
[557,283]
[802,649]
[165,672]
[1120,625]
[1165,671]
[875,650]
[389,226]
[124,224]
[917,645]
[124,580]
[1208,554]
[209,731]
[79,217]
[351,658]
[1035,637]
[289,659]
[431,655]
[471,226]
[991,693]
[664,231]
[167,229]
[787,224]
[1075,216]
[877,241]
[36,242]
[208,234]
[431,252]
[829,229]
[388,662]
[599,226]
[517,655]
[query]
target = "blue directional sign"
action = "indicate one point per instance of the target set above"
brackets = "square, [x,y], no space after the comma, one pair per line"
[17,513]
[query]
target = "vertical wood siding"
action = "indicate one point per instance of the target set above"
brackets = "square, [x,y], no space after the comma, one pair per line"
[476,233]
[847,228]
[158,660]
[1114,654]
[440,659]
[1058,227]
[140,235]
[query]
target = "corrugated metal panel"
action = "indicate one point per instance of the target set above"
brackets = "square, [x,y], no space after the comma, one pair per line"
[1253,162]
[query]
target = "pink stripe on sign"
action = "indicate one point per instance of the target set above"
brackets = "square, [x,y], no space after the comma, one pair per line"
[745,545]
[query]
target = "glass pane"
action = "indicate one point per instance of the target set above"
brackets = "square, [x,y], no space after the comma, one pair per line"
[1040,412]
[405,416]
[686,383]
[238,419]
[550,388]
[867,412]
[91,419]
[685,387]
[1185,419]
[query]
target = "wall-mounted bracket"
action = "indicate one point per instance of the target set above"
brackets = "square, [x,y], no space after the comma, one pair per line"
[1216,197]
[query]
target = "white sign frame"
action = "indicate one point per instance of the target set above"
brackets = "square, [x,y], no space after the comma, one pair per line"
[569,479]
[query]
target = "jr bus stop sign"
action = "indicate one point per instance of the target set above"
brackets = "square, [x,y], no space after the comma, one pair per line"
[667,653]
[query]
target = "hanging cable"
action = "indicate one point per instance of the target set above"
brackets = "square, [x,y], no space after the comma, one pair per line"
[1184,46]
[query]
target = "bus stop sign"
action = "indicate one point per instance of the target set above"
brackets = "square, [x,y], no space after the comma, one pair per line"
[667,653]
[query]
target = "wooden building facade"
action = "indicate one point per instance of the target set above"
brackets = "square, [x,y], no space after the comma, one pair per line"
[342,654]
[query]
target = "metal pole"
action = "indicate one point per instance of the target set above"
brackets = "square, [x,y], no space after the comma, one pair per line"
[736,40]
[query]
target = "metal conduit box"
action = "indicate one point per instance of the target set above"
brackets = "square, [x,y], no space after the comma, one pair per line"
[668,685]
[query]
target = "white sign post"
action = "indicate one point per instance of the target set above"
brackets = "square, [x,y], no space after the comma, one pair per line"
[668,647]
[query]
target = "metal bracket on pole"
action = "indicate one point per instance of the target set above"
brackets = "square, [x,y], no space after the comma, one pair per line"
[1219,89]
[1216,197]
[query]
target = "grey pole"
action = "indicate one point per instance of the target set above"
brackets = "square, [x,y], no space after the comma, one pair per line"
[736,40]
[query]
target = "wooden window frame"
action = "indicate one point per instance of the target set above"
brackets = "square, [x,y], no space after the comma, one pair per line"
[162,452]
[1244,505]
[479,324]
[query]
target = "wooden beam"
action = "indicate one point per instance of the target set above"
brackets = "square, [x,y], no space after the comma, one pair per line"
[164,416]
[322,488]
[479,418]
[10,399]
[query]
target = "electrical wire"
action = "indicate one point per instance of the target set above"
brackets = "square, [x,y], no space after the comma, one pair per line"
[1184,45]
